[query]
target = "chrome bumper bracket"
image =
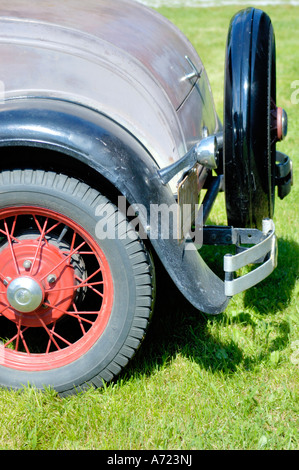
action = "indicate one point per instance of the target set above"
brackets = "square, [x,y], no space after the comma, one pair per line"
[265,252]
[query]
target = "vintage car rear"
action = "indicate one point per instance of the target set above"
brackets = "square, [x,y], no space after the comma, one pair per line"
[108,131]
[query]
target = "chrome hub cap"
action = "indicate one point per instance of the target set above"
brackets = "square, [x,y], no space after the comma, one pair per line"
[24,294]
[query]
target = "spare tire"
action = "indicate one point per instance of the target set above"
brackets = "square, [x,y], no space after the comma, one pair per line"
[250,130]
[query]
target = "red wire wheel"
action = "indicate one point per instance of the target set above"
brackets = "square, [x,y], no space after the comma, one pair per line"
[74,303]
[42,286]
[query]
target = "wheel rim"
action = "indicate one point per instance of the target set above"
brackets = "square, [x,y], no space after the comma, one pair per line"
[56,289]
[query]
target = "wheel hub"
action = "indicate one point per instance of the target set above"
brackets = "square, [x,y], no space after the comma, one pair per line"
[24,294]
[39,283]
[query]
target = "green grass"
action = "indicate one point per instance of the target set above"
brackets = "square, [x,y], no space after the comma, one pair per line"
[198,382]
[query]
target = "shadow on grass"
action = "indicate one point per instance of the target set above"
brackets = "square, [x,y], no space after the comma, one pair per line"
[274,293]
[179,328]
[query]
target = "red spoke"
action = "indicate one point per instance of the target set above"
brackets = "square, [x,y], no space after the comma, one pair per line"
[80,253]
[2,311]
[89,277]
[52,228]
[63,261]
[51,338]
[91,284]
[73,240]
[38,224]
[5,307]
[17,337]
[12,231]
[11,247]
[13,226]
[62,339]
[13,238]
[96,291]
[77,315]
[75,287]
[22,337]
[52,333]
[83,283]
[79,320]
[72,244]
[39,243]
[85,312]
[10,341]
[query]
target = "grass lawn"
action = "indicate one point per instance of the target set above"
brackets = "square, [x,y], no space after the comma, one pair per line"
[198,382]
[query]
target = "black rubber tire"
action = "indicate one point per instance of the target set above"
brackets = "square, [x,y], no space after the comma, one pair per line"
[250,92]
[131,268]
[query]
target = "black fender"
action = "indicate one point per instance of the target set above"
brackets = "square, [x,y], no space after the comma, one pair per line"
[102,144]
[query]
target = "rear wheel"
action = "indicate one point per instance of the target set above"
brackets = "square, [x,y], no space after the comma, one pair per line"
[73,307]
